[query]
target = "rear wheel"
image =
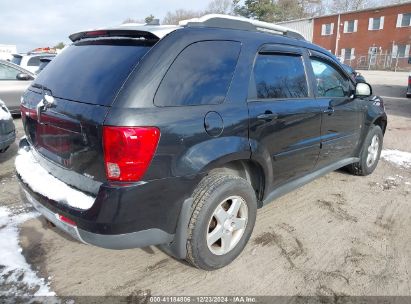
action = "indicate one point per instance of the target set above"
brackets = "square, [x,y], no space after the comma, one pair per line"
[370,153]
[223,218]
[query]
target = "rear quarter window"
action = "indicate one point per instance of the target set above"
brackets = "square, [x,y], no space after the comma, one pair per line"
[200,75]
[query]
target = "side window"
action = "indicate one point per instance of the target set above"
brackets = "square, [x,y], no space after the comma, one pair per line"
[330,82]
[8,73]
[201,74]
[34,61]
[280,76]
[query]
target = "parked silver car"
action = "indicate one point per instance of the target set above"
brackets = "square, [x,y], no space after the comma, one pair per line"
[7,129]
[14,80]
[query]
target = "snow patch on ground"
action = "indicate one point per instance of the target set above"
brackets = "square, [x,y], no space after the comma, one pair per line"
[16,276]
[399,158]
[42,182]
[4,112]
[392,182]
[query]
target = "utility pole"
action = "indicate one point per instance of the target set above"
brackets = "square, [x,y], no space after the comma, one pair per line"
[338,36]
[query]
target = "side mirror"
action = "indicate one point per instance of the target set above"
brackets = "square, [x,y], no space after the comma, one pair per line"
[363,89]
[23,76]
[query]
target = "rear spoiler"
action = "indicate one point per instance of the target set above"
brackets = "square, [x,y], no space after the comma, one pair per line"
[114,33]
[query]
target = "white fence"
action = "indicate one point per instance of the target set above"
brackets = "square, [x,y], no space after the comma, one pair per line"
[379,62]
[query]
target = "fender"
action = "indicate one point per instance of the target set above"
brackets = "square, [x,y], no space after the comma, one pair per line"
[383,118]
[374,114]
[211,154]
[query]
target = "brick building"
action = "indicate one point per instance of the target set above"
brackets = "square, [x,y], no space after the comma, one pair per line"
[377,38]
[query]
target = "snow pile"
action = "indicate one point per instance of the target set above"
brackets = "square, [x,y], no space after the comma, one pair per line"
[4,112]
[15,273]
[42,182]
[399,158]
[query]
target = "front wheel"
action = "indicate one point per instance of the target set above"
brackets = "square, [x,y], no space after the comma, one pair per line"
[370,153]
[223,218]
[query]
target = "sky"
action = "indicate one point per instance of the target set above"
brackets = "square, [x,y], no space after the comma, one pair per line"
[29,24]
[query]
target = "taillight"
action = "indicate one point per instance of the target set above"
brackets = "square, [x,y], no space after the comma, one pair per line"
[409,80]
[128,151]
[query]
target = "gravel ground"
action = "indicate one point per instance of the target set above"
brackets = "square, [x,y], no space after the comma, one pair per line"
[339,235]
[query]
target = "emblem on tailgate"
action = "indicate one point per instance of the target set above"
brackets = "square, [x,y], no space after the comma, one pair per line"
[44,104]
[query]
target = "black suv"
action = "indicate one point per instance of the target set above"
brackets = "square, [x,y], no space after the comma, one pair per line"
[174,136]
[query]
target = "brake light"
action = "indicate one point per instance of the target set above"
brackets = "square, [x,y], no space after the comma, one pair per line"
[409,80]
[128,151]
[96,33]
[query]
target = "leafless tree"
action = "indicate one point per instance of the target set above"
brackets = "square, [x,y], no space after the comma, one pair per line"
[289,10]
[131,20]
[340,6]
[148,19]
[313,8]
[220,7]
[180,14]
[214,7]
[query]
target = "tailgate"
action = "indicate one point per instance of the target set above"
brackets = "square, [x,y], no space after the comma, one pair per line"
[67,139]
[64,109]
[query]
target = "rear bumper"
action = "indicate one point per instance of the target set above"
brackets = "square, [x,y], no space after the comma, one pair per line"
[120,217]
[120,241]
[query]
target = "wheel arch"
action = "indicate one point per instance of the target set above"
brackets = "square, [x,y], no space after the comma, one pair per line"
[243,167]
[247,169]
[380,121]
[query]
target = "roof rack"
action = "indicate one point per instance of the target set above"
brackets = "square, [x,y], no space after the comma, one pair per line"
[240,23]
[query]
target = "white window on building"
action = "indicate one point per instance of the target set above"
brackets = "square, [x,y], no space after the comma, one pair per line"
[404,20]
[372,50]
[375,24]
[401,50]
[348,54]
[327,29]
[350,26]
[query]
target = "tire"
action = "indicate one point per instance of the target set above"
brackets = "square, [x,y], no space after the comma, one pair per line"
[212,200]
[365,166]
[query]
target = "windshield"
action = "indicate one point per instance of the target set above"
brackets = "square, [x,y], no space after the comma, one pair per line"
[92,71]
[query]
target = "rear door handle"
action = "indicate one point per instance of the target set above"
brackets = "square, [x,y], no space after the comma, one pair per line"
[267,116]
[329,110]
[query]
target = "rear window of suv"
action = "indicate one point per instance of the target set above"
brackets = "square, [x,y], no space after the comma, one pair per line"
[201,74]
[92,71]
